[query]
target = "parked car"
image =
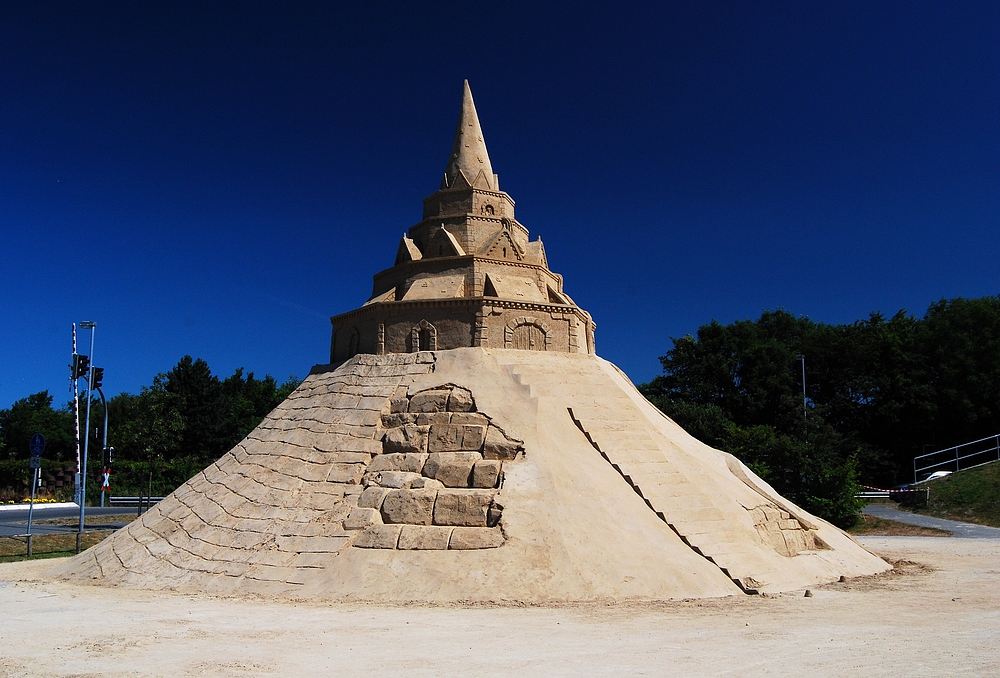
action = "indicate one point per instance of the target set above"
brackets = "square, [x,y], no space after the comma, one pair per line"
[936,475]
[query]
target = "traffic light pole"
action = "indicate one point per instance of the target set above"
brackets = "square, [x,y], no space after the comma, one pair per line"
[104,443]
[92,326]
[74,376]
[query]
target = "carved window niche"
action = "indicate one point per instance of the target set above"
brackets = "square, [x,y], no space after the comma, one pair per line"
[423,337]
[354,345]
[487,210]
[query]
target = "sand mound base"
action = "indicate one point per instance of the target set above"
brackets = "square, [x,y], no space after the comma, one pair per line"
[473,475]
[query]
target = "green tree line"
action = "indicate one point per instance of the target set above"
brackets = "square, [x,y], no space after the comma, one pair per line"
[879,392]
[184,420]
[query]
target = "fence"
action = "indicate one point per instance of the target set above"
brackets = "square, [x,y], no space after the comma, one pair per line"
[138,502]
[958,458]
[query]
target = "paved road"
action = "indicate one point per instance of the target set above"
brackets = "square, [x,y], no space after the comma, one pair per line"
[15,522]
[965,530]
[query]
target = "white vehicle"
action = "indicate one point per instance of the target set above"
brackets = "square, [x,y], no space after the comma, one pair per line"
[936,475]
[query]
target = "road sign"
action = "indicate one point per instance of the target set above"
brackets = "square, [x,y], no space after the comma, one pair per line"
[36,462]
[36,445]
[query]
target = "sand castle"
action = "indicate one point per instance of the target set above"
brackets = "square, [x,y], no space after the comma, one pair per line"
[466,443]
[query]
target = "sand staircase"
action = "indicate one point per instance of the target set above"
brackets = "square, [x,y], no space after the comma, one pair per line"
[679,490]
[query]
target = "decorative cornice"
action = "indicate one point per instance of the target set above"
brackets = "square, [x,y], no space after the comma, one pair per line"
[386,307]
[460,261]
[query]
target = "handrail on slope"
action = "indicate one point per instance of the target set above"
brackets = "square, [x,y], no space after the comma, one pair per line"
[951,458]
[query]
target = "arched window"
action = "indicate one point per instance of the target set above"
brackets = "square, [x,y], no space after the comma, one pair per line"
[423,337]
[354,346]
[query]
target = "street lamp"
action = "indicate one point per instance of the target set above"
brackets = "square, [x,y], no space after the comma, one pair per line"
[803,359]
[92,326]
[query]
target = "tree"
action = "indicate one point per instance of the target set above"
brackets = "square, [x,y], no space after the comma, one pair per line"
[32,415]
[879,391]
[146,426]
[960,341]
[253,399]
[203,406]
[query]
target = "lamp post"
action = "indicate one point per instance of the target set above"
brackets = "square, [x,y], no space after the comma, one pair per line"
[803,359]
[104,443]
[92,326]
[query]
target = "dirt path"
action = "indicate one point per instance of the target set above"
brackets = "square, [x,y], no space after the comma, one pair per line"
[938,614]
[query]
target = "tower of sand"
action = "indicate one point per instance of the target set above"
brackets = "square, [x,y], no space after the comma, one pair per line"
[466,443]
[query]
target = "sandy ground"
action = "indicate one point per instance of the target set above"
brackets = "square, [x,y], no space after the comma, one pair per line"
[937,614]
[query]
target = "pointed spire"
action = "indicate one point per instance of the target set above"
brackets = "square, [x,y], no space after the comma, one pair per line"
[468,153]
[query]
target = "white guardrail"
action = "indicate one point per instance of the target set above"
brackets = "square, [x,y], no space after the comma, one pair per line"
[957,458]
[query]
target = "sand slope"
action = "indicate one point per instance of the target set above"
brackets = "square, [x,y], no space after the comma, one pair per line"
[599,496]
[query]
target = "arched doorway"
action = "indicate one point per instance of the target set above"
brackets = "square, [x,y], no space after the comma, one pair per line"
[528,337]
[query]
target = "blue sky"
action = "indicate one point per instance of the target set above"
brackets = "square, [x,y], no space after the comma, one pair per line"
[217,179]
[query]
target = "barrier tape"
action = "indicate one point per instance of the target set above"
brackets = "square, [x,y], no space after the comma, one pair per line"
[879,489]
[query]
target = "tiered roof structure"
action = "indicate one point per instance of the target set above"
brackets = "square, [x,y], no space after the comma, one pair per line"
[467,274]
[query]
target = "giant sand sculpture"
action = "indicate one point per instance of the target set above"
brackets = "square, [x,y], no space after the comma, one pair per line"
[465,443]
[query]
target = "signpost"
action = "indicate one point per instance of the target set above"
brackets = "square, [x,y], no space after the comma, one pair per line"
[36,447]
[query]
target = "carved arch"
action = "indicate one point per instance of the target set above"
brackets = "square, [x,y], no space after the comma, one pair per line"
[423,337]
[354,343]
[527,333]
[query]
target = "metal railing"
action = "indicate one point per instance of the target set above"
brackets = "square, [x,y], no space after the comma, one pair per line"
[138,502]
[958,458]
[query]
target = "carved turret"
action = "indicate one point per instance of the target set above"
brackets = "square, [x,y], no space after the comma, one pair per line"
[468,270]
[469,164]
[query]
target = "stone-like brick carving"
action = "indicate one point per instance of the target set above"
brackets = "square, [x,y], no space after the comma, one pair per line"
[453,469]
[782,532]
[406,438]
[414,507]
[462,507]
[440,468]
[430,401]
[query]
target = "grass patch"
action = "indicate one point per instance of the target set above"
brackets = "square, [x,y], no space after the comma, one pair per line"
[48,545]
[871,526]
[89,520]
[971,496]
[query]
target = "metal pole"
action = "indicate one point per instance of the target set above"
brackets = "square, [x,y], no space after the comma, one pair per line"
[76,420]
[805,425]
[31,507]
[92,326]
[104,443]
[803,359]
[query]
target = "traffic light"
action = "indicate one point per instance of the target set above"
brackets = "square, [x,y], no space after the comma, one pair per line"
[81,364]
[98,377]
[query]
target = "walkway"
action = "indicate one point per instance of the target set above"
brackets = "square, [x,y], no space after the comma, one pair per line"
[964,530]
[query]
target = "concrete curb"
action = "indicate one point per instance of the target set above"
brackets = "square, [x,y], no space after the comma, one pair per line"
[39,507]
